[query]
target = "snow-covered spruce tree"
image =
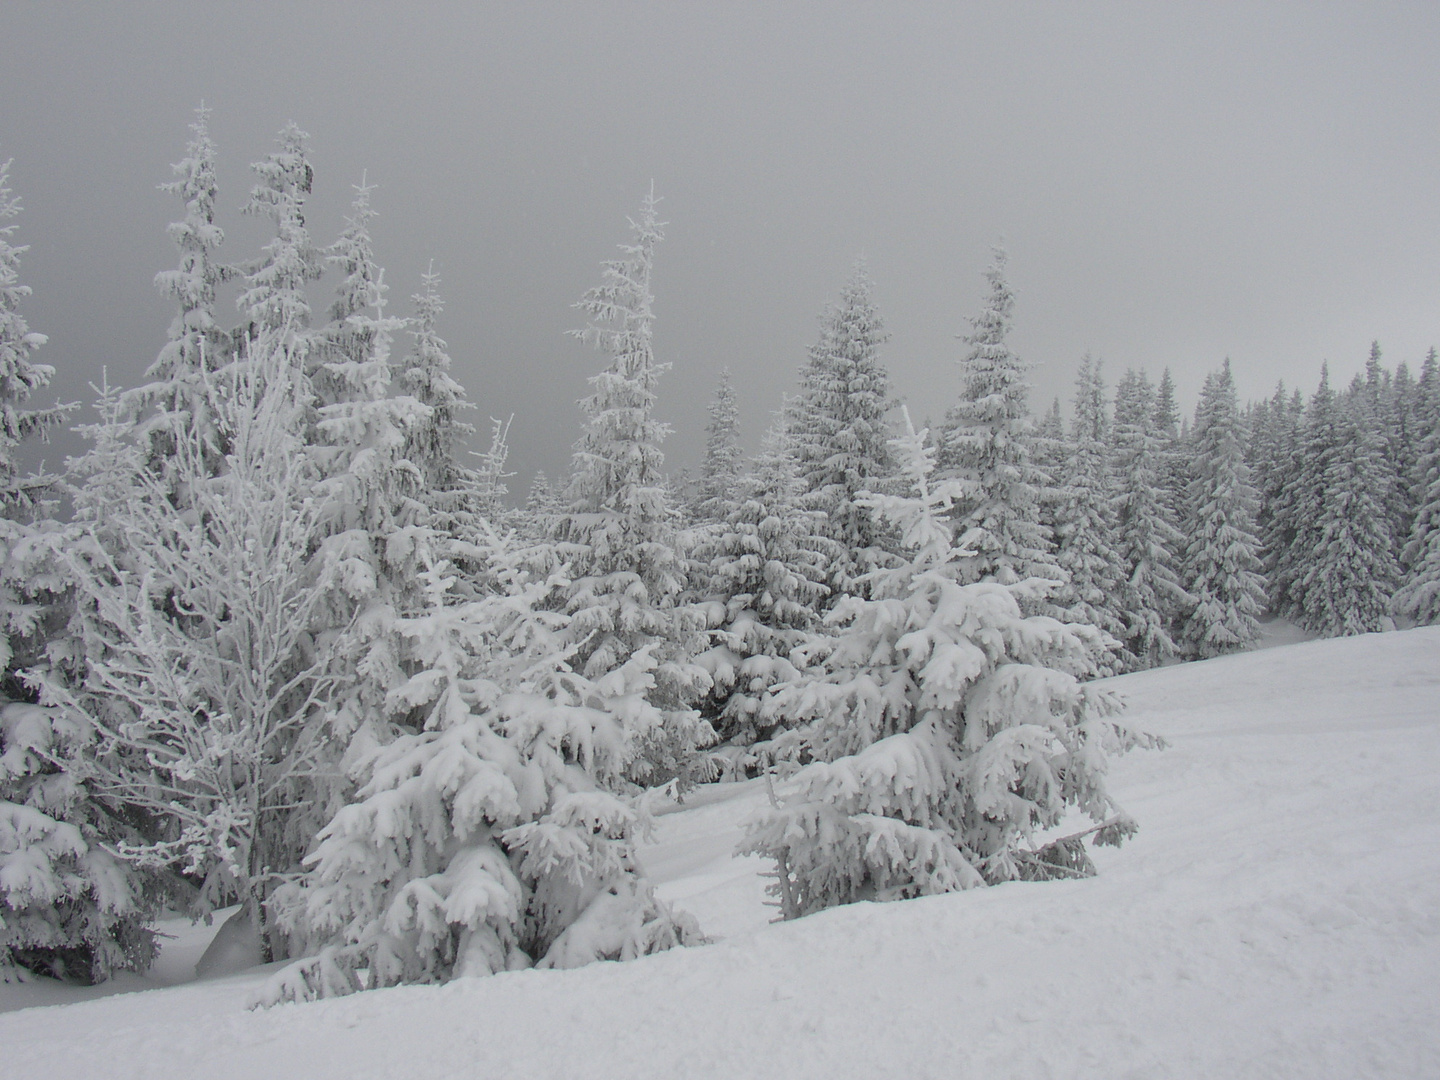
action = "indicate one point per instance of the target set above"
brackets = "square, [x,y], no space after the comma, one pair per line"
[1051,452]
[1399,416]
[274,293]
[1371,403]
[376,526]
[198,679]
[67,906]
[1149,593]
[425,375]
[766,565]
[1277,456]
[617,534]
[1425,425]
[839,435]
[1174,468]
[20,375]
[490,838]
[1351,573]
[195,344]
[1419,599]
[362,288]
[1085,534]
[724,458]
[945,730]
[452,491]
[488,489]
[541,508]
[1222,559]
[988,447]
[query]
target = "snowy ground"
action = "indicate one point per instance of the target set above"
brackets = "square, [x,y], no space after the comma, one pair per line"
[1277,916]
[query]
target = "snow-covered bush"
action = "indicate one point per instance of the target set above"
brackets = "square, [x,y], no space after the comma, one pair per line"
[495,836]
[945,732]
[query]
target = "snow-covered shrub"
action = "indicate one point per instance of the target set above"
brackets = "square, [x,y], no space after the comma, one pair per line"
[945,731]
[495,836]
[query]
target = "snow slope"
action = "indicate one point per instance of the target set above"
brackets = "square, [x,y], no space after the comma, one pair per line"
[1277,916]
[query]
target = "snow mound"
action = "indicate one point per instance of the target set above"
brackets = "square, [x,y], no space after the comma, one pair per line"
[1278,915]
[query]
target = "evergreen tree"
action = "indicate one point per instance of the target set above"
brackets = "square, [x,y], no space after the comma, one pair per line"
[988,446]
[944,729]
[1085,529]
[618,533]
[838,431]
[491,837]
[1150,594]
[724,458]
[1419,599]
[541,499]
[767,565]
[195,345]
[362,287]
[1051,457]
[68,907]
[488,490]
[1174,436]
[1371,403]
[1222,559]
[1350,574]
[1167,412]
[20,376]
[274,293]
[1277,453]
[376,527]
[1302,502]
[425,375]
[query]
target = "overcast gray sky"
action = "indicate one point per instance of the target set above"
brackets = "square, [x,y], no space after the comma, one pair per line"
[1176,183]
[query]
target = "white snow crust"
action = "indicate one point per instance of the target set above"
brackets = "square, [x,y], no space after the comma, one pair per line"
[1278,915]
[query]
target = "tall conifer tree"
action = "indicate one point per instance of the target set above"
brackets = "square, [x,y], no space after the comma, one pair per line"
[839,433]
[988,445]
[1150,594]
[618,533]
[1222,560]
[274,294]
[724,458]
[1085,540]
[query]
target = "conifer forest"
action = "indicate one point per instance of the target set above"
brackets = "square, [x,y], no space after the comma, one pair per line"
[290,635]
